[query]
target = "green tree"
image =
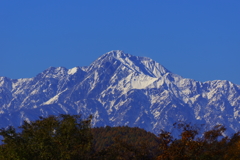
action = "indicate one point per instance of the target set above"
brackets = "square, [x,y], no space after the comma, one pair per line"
[63,137]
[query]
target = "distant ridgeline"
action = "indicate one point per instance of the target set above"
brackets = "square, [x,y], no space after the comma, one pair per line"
[120,89]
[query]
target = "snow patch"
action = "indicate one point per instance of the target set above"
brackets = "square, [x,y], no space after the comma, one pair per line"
[53,99]
[72,71]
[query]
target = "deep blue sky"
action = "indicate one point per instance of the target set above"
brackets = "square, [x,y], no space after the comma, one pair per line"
[195,39]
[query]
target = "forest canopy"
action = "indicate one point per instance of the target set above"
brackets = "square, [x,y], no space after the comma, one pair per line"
[69,137]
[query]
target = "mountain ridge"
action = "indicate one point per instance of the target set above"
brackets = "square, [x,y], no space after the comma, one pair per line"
[121,89]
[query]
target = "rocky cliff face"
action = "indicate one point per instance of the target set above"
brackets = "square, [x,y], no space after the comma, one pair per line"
[121,89]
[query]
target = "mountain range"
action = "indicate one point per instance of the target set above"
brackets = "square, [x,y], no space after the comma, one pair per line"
[120,89]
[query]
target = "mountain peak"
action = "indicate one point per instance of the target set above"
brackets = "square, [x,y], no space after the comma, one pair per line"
[116,54]
[137,64]
[120,89]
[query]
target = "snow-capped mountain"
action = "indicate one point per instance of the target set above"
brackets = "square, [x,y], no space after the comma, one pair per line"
[121,89]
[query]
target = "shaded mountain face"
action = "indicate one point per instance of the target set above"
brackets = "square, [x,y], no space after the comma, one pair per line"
[120,89]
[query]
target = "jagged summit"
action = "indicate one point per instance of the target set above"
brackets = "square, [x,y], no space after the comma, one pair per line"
[140,65]
[117,54]
[121,89]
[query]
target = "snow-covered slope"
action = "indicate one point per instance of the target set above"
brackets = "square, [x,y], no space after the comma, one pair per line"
[121,89]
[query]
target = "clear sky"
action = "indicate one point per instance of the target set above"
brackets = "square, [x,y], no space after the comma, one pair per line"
[197,39]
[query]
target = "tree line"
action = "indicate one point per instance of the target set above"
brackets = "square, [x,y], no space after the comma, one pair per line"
[69,137]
